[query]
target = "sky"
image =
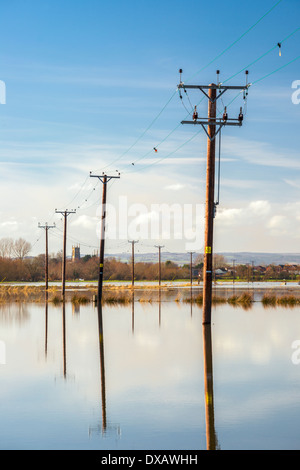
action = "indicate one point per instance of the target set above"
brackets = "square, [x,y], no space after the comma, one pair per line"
[91,86]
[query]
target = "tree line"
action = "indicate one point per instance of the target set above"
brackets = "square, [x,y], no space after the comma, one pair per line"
[32,269]
[16,265]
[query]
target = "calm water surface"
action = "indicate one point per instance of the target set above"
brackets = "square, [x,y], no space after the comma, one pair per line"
[148,376]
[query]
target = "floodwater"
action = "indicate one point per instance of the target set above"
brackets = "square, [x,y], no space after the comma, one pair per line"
[148,375]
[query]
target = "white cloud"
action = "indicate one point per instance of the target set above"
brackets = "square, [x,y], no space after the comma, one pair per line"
[85,222]
[175,187]
[277,222]
[261,153]
[260,208]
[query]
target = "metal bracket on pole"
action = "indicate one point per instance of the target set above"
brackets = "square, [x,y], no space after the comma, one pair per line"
[104,178]
[220,87]
[208,122]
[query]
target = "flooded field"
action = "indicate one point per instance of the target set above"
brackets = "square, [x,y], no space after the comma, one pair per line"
[147,375]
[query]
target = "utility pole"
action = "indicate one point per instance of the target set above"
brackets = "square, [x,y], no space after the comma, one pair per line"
[46,227]
[159,263]
[104,180]
[191,266]
[233,271]
[65,214]
[132,259]
[212,125]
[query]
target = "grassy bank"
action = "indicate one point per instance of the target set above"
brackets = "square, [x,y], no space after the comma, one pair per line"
[80,295]
[243,299]
[271,300]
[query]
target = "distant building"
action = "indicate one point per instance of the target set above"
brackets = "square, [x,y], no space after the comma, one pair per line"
[75,253]
[221,272]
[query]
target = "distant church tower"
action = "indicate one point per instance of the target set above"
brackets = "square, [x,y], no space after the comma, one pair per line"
[75,252]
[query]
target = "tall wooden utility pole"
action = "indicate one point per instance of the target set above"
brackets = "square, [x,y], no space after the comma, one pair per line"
[46,227]
[209,207]
[63,276]
[104,179]
[212,126]
[132,259]
[159,263]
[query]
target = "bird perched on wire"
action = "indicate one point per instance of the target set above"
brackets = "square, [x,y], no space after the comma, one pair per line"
[155,149]
[279,45]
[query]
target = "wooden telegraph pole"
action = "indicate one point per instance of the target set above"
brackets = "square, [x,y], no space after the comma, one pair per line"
[63,276]
[132,259]
[46,227]
[209,208]
[212,126]
[104,179]
[159,263]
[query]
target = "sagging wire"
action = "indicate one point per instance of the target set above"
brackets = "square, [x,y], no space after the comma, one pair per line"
[207,65]
[218,175]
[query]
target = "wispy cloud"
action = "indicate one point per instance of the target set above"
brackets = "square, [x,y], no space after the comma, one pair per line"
[261,153]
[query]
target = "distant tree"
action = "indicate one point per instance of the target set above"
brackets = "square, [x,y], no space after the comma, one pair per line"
[21,248]
[6,247]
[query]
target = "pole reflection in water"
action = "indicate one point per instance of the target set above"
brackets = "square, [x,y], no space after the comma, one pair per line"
[211,437]
[64,340]
[102,366]
[159,306]
[105,427]
[46,324]
[132,311]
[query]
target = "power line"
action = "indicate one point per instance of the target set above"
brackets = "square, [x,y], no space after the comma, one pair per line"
[239,38]
[173,94]
[254,82]
[276,70]
[262,56]
[203,68]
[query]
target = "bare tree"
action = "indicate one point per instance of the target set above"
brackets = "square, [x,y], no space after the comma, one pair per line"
[21,248]
[6,247]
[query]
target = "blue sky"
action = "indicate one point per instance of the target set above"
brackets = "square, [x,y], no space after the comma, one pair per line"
[91,86]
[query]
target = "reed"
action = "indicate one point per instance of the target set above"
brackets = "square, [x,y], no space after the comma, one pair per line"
[56,300]
[288,300]
[244,299]
[116,297]
[198,299]
[269,300]
[285,300]
[80,299]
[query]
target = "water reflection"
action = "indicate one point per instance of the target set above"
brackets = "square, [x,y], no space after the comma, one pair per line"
[132,311]
[159,306]
[211,437]
[152,368]
[64,339]
[102,366]
[46,326]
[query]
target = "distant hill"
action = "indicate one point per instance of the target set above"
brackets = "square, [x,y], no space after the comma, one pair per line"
[239,258]
[263,258]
